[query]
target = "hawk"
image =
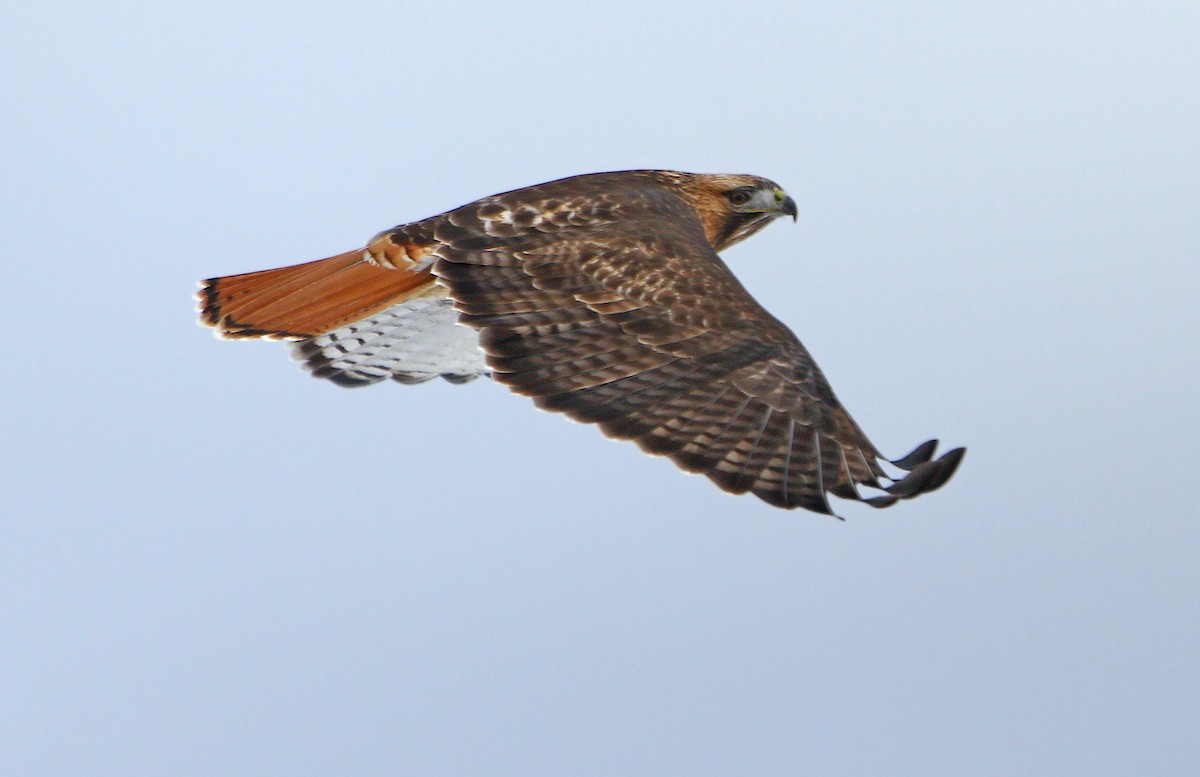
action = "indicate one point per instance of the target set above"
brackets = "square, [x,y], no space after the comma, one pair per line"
[602,297]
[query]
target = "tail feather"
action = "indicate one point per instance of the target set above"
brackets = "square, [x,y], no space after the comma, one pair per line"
[307,299]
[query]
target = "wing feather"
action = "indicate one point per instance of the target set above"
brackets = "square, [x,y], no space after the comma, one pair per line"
[600,297]
[641,328]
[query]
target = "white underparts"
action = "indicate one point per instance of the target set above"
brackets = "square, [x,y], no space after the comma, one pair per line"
[410,342]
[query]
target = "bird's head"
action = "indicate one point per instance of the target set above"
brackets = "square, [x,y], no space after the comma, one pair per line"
[734,207]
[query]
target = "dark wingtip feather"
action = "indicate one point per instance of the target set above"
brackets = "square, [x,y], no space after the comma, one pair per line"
[925,477]
[915,482]
[948,465]
[917,456]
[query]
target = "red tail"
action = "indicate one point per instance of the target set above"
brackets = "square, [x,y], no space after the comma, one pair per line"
[303,300]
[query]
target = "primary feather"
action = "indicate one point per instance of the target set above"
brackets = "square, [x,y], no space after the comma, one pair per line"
[602,297]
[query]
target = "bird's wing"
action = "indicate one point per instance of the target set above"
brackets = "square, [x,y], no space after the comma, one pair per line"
[643,330]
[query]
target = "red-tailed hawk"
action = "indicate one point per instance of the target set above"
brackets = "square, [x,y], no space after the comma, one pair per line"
[601,296]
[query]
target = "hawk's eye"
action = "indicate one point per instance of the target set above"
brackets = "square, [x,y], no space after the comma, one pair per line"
[739,196]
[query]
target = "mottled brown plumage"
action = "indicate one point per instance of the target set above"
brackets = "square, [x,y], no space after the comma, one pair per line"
[601,297]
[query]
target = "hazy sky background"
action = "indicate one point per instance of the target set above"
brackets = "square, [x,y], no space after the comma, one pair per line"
[212,564]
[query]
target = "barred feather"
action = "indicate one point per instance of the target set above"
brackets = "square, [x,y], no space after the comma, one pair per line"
[601,297]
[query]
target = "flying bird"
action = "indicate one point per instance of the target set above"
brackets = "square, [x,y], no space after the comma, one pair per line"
[603,297]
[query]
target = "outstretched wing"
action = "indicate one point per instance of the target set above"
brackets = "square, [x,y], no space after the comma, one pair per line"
[639,327]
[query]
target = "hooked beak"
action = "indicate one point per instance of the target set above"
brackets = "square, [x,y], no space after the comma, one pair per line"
[782,205]
[788,208]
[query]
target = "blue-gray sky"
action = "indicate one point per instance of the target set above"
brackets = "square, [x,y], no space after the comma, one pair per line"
[212,564]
